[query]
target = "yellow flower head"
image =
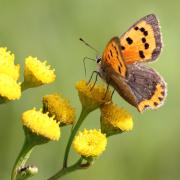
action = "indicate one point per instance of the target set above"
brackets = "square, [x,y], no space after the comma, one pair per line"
[92,98]
[41,124]
[7,65]
[115,119]
[6,55]
[10,70]
[9,89]
[60,108]
[37,73]
[90,143]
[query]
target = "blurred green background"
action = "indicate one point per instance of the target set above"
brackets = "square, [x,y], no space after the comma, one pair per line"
[50,30]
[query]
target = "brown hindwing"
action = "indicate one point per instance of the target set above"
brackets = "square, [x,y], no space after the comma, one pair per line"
[147,85]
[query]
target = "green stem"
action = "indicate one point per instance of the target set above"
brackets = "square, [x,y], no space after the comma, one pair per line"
[3,100]
[69,169]
[22,158]
[30,141]
[85,111]
[25,86]
[82,116]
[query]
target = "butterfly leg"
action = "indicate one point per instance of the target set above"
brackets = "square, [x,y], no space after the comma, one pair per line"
[107,89]
[92,76]
[97,74]
[112,94]
[84,60]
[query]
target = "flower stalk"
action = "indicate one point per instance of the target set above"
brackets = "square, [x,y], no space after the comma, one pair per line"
[67,170]
[30,141]
[24,86]
[82,116]
[91,99]
[22,158]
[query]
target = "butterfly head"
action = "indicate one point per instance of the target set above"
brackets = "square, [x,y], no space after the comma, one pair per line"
[98,59]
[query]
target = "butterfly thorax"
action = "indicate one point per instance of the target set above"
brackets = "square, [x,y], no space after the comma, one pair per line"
[100,68]
[103,70]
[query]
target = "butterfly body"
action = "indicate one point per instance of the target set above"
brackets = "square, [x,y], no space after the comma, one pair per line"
[122,65]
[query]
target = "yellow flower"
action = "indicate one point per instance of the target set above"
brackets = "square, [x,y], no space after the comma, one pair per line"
[92,98]
[41,124]
[7,65]
[6,55]
[10,70]
[115,119]
[60,108]
[90,143]
[9,89]
[37,73]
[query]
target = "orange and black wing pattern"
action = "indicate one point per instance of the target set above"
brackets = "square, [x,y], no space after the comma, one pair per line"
[112,57]
[142,42]
[147,85]
[121,65]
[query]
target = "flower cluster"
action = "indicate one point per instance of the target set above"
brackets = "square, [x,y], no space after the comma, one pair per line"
[36,73]
[113,119]
[41,126]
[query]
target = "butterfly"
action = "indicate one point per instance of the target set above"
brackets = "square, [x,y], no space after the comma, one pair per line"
[123,64]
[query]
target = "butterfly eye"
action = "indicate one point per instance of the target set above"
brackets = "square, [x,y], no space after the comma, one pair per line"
[98,60]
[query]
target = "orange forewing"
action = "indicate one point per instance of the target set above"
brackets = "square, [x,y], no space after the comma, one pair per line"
[142,42]
[112,57]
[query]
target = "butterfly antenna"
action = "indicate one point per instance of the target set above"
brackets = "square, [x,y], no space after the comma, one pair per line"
[88,45]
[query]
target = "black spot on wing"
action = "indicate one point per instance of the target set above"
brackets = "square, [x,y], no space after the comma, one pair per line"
[145,33]
[136,28]
[153,21]
[163,93]
[111,53]
[146,45]
[119,68]
[142,29]
[129,40]
[143,39]
[155,103]
[120,64]
[141,54]
[108,56]
[122,47]
[146,106]
[116,50]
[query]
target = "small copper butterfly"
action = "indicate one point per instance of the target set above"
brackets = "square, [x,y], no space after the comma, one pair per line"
[122,64]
